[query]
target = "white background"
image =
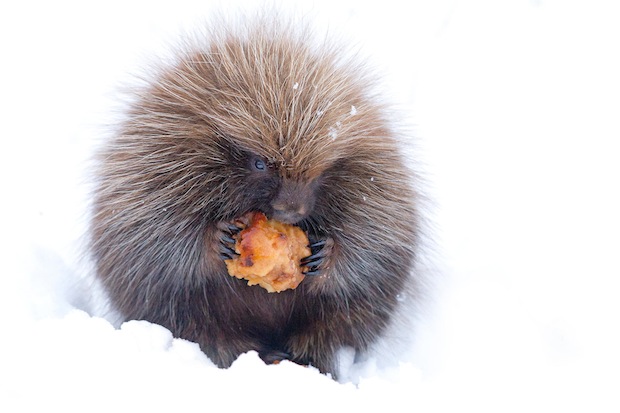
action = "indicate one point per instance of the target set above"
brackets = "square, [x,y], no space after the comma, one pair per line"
[515,107]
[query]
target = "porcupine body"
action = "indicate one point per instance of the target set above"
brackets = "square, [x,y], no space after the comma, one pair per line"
[256,119]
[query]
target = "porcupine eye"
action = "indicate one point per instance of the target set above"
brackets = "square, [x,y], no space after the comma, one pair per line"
[259,165]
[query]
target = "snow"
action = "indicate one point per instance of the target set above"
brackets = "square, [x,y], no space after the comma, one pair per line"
[514,106]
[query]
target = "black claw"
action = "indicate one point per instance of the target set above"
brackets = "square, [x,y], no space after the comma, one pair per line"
[226,247]
[317,246]
[228,254]
[227,251]
[318,254]
[233,229]
[316,260]
[228,231]
[313,260]
[312,272]
[229,227]
[225,256]
[228,239]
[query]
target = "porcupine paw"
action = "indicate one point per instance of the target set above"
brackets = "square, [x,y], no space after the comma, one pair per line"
[273,356]
[320,251]
[227,232]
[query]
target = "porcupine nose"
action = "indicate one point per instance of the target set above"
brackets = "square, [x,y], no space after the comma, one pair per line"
[289,212]
[293,203]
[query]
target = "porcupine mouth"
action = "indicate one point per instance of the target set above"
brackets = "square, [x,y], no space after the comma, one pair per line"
[292,218]
[285,217]
[301,221]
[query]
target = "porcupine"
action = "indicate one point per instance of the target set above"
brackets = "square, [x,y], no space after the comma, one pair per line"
[257,119]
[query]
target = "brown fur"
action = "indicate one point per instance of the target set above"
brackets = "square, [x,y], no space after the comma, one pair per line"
[182,163]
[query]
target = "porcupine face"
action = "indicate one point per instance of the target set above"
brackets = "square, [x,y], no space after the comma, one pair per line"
[283,119]
[256,121]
